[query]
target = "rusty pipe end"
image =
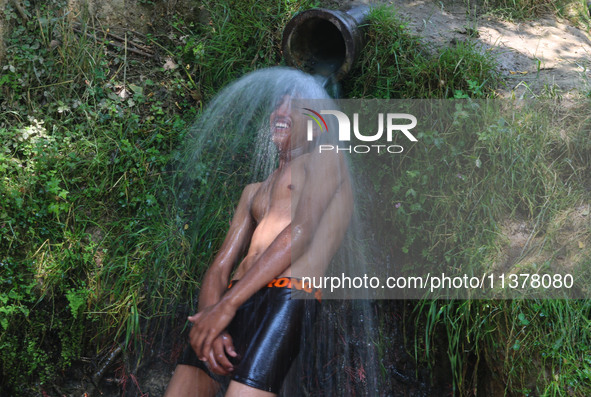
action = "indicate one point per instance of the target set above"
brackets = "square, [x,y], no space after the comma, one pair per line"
[325,42]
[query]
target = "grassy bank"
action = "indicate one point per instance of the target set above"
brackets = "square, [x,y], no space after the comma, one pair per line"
[92,127]
[91,174]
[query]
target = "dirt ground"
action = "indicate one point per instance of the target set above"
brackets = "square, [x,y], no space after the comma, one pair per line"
[545,56]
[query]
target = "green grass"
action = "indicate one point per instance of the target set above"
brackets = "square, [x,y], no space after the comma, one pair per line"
[452,193]
[239,37]
[575,11]
[398,64]
[91,175]
[530,347]
[93,236]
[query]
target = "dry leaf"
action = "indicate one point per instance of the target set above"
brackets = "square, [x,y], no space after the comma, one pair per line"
[123,92]
[169,64]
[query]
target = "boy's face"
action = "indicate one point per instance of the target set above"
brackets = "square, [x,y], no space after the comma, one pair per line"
[288,125]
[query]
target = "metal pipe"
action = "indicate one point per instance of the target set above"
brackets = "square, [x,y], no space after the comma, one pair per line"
[325,42]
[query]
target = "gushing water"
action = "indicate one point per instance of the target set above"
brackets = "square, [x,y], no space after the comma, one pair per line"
[231,146]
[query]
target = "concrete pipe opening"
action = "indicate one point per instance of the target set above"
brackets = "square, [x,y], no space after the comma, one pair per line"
[325,42]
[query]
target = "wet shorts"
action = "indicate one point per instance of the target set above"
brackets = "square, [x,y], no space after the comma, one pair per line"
[266,334]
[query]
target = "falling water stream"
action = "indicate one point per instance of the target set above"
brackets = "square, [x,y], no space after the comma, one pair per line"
[343,352]
[338,355]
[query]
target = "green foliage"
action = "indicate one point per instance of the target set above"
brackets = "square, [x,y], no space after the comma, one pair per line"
[77,300]
[397,64]
[236,38]
[479,164]
[574,10]
[90,177]
[37,336]
[533,347]
[80,167]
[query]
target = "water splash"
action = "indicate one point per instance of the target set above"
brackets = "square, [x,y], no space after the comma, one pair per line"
[237,121]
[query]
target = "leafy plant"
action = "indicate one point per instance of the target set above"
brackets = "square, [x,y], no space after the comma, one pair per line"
[397,64]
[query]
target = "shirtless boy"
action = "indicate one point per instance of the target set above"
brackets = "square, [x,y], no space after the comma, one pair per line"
[293,221]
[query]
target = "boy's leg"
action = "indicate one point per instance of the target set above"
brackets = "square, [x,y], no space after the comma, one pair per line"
[189,381]
[237,389]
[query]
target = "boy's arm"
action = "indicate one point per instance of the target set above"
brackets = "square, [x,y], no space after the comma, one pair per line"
[324,176]
[215,281]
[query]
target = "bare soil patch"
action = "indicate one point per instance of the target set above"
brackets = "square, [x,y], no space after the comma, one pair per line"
[544,56]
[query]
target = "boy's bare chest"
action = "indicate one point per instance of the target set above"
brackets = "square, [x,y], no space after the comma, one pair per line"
[277,194]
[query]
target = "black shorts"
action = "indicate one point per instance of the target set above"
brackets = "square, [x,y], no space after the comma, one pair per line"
[266,334]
